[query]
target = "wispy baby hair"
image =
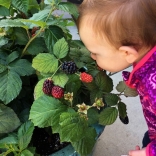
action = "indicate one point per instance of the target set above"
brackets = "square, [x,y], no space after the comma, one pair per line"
[123,22]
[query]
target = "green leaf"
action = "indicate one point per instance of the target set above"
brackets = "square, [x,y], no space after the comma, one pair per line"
[45,109]
[95,94]
[21,36]
[60,79]
[104,82]
[24,134]
[21,5]
[2,68]
[33,23]
[61,48]
[38,89]
[21,67]
[3,41]
[130,92]
[86,144]
[11,23]
[4,11]
[14,55]
[8,119]
[70,8]
[10,86]
[93,116]
[39,17]
[52,35]
[91,86]
[26,153]
[122,110]
[46,63]
[5,3]
[72,127]
[108,116]
[111,99]
[7,141]
[73,84]
[37,46]
[121,86]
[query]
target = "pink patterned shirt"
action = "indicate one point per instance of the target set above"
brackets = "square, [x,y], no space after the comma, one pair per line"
[143,78]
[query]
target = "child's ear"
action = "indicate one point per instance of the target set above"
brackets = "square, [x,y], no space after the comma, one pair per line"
[130,53]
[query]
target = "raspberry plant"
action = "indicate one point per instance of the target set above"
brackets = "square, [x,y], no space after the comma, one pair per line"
[35,43]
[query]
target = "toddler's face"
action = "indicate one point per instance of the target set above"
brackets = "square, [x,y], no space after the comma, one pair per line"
[106,56]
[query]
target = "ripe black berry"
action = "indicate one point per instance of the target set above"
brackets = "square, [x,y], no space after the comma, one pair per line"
[125,120]
[69,67]
[47,86]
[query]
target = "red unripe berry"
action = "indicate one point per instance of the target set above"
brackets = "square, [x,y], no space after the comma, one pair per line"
[57,92]
[87,78]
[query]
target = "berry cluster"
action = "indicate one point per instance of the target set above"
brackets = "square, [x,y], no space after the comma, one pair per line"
[69,67]
[50,89]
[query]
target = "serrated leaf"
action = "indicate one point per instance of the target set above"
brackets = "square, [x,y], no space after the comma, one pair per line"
[121,86]
[70,8]
[5,3]
[37,46]
[60,79]
[44,109]
[93,116]
[46,63]
[21,5]
[7,141]
[24,134]
[122,110]
[104,82]
[95,94]
[51,36]
[72,127]
[21,36]
[14,55]
[21,67]
[86,144]
[4,11]
[11,23]
[130,92]
[73,84]
[91,86]
[111,99]
[38,89]
[10,86]
[8,119]
[108,116]
[39,17]
[3,41]
[2,68]
[26,153]
[60,48]
[33,23]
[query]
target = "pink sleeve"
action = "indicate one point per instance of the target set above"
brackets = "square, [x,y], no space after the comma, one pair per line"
[151,149]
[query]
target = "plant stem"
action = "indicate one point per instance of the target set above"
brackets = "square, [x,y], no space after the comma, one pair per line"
[56,70]
[31,39]
[52,9]
[41,29]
